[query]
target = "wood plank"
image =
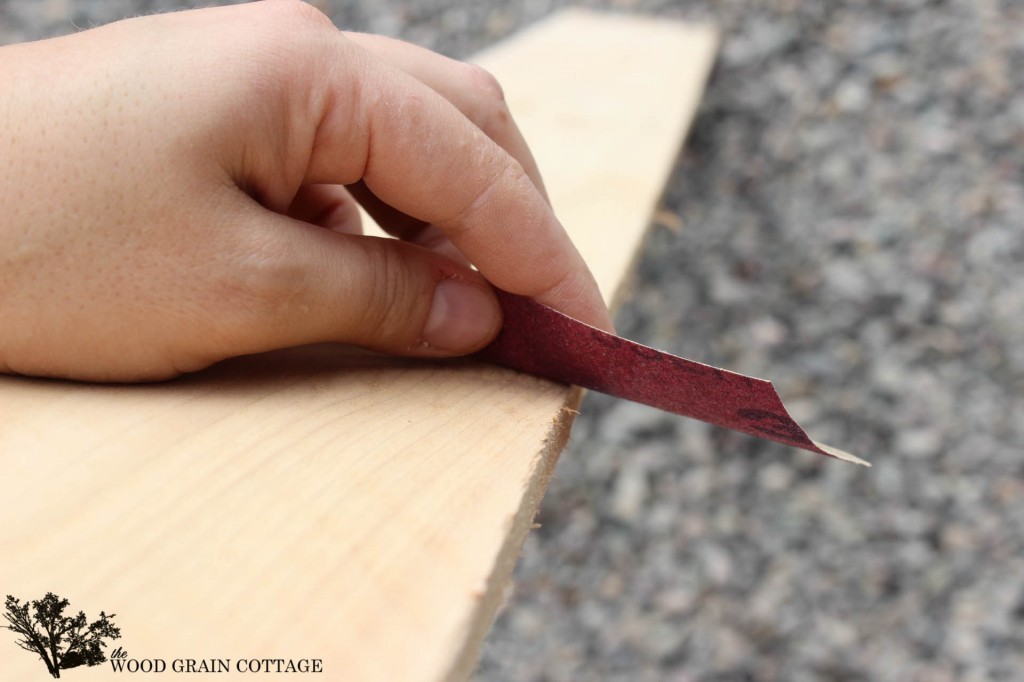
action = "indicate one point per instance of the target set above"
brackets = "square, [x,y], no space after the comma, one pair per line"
[329,503]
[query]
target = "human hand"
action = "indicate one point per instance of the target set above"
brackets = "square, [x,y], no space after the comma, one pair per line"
[173,193]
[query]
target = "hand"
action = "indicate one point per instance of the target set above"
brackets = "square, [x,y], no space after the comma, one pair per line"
[179,189]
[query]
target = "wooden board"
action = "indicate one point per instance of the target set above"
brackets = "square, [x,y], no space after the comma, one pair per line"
[327,503]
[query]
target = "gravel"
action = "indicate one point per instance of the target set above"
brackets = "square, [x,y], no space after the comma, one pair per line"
[851,195]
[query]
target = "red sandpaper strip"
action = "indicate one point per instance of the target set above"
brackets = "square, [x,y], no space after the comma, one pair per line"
[541,341]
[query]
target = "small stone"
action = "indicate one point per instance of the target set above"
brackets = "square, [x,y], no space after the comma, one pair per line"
[921,442]
[629,492]
[853,96]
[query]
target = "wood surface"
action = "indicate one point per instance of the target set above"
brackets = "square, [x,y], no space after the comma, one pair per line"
[324,502]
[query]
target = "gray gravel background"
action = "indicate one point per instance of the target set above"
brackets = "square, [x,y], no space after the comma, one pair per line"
[852,203]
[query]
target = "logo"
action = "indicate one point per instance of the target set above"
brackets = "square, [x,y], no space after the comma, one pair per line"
[64,641]
[61,641]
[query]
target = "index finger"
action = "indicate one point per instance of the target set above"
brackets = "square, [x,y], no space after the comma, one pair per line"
[419,154]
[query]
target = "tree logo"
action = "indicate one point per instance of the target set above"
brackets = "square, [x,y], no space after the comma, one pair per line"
[61,641]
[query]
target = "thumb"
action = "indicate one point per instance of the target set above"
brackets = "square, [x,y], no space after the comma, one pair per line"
[309,285]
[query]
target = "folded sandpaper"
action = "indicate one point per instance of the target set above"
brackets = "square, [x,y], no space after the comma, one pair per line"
[543,342]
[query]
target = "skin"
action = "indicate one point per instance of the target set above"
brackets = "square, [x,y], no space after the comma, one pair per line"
[182,188]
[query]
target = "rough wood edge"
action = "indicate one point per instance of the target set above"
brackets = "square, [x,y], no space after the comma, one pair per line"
[500,579]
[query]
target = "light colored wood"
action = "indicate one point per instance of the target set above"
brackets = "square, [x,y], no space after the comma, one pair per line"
[326,503]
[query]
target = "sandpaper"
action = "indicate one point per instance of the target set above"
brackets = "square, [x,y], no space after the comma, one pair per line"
[543,342]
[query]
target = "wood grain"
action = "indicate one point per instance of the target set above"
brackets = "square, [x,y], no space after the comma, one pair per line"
[328,503]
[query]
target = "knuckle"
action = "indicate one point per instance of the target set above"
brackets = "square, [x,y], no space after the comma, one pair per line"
[490,110]
[301,13]
[281,37]
[506,184]
[485,83]
[272,50]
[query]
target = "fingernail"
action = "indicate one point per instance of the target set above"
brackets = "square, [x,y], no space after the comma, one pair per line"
[463,317]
